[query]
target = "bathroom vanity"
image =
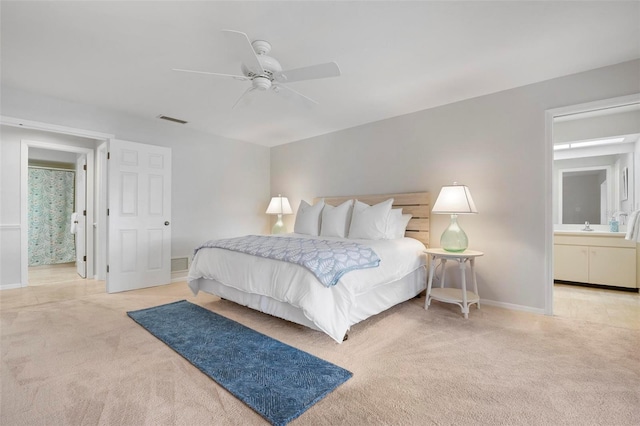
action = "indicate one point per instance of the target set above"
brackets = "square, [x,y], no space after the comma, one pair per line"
[600,258]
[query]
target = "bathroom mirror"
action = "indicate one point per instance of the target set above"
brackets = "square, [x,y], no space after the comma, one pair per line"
[586,195]
[594,165]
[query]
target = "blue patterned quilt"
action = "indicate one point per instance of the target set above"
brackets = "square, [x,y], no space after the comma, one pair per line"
[328,260]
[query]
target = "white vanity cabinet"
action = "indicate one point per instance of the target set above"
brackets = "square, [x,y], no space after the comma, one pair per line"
[603,258]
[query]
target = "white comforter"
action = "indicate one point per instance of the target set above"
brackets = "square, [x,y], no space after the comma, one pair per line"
[327,308]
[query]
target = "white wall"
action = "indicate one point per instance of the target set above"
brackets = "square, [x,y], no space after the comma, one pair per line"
[495,144]
[597,127]
[52,156]
[220,187]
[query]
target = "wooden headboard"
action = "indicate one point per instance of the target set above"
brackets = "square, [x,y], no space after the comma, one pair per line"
[416,203]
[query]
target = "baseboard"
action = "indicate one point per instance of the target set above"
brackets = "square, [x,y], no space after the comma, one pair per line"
[10,286]
[512,306]
[178,276]
[601,286]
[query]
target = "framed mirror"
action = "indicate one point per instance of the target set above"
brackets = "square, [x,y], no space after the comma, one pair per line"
[585,195]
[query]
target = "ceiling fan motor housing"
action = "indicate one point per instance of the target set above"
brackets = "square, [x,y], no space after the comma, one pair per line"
[262,79]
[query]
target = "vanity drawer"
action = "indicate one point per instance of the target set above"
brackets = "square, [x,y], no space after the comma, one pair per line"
[589,240]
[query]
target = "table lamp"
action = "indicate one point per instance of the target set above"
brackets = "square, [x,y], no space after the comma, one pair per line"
[279,205]
[454,200]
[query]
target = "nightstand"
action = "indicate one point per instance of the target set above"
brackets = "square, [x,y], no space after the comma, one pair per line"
[460,297]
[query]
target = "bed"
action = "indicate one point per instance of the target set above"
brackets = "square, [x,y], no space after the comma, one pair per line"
[292,292]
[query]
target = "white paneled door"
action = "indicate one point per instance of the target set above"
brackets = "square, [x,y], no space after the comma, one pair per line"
[139,221]
[80,218]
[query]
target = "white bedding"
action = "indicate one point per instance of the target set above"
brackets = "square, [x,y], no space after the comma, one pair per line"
[327,308]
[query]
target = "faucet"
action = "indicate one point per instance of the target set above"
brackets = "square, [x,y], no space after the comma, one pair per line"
[620,216]
[586,226]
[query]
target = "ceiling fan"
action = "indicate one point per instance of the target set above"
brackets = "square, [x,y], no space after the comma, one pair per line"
[265,72]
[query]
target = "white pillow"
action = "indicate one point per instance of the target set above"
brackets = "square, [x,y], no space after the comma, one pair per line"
[395,216]
[397,225]
[308,218]
[335,220]
[370,222]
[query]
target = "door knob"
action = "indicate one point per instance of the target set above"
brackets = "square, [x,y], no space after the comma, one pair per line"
[166,223]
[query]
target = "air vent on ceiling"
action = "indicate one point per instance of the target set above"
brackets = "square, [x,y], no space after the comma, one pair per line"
[175,120]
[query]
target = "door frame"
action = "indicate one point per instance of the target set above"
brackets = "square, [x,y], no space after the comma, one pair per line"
[80,199]
[24,173]
[549,115]
[100,216]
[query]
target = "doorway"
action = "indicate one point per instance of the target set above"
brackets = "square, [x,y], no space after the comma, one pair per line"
[554,212]
[154,163]
[83,182]
[57,237]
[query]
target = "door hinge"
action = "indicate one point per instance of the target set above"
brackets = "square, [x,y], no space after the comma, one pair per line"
[107,212]
[84,167]
[108,156]
[84,258]
[84,212]
[107,269]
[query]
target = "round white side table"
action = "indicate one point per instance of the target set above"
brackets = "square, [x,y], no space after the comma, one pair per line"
[460,297]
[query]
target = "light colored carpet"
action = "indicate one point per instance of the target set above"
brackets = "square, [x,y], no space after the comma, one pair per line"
[81,360]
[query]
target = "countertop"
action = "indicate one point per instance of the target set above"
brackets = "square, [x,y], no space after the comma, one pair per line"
[591,233]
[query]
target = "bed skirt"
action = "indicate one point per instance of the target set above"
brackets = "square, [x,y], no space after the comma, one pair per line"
[369,303]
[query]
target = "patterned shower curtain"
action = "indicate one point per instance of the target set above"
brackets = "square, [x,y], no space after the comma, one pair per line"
[51,200]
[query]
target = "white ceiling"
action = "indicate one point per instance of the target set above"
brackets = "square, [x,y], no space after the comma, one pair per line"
[395,57]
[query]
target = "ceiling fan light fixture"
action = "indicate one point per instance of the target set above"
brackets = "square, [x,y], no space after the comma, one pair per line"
[261,83]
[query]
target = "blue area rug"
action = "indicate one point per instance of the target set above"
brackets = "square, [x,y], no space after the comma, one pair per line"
[278,381]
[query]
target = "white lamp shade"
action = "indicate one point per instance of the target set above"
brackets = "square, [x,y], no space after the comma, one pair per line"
[279,205]
[454,199]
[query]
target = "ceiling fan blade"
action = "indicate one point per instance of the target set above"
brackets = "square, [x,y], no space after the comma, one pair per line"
[246,92]
[288,92]
[330,69]
[237,77]
[241,47]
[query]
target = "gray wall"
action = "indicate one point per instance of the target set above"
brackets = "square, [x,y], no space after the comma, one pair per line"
[220,187]
[495,144]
